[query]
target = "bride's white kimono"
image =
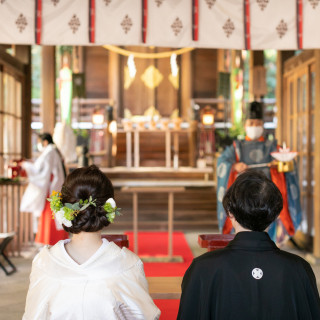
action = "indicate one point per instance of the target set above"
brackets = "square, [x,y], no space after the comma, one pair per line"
[110,285]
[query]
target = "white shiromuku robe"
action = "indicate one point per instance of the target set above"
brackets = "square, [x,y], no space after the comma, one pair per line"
[111,285]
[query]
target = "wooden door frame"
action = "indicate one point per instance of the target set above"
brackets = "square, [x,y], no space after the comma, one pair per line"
[307,61]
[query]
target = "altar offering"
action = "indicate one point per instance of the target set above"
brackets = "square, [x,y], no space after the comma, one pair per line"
[165,123]
[127,124]
[15,169]
[176,123]
[285,158]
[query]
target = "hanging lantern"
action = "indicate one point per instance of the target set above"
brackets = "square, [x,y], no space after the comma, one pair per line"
[207,116]
[98,116]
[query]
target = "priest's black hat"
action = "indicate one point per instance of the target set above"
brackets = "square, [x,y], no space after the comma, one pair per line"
[255,110]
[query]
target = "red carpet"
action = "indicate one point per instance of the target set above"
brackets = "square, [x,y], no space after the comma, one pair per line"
[156,244]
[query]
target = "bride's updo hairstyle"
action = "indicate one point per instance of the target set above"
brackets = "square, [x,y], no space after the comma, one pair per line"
[80,184]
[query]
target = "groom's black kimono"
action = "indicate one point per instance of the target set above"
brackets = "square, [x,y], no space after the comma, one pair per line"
[250,279]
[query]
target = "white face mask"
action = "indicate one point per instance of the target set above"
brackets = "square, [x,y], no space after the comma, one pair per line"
[39,146]
[254,133]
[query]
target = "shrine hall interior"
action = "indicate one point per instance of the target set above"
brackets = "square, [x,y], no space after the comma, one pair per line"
[154,112]
[159,131]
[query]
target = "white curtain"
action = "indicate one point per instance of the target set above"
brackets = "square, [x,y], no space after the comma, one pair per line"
[65,22]
[17,21]
[119,22]
[169,23]
[311,25]
[273,24]
[221,24]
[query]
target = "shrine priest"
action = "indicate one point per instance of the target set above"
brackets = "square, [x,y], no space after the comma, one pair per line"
[255,151]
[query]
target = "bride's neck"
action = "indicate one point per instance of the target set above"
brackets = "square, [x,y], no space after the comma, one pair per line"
[83,245]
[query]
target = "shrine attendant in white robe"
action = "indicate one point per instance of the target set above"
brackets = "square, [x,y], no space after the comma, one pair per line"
[44,175]
[87,277]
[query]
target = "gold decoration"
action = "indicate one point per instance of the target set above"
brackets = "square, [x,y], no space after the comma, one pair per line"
[127,113]
[151,112]
[143,55]
[152,77]
[285,166]
[174,114]
[174,80]
[127,79]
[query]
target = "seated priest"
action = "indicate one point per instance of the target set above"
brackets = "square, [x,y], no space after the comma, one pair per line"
[255,151]
[251,278]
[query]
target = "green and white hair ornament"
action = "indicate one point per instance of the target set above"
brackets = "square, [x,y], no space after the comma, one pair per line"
[67,212]
[111,208]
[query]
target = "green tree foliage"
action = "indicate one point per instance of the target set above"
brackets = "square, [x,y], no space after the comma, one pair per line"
[36,72]
[270,57]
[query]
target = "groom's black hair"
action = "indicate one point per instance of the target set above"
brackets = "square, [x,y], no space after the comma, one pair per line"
[254,200]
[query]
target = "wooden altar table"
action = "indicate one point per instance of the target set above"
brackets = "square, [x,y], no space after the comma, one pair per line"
[168,133]
[155,186]
[170,190]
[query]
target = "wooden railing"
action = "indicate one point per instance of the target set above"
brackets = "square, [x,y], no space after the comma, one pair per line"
[11,219]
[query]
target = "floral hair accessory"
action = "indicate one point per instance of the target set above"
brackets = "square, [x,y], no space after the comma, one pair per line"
[67,212]
[111,208]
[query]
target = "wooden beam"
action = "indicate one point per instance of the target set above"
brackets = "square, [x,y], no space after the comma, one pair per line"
[316,199]
[9,60]
[48,80]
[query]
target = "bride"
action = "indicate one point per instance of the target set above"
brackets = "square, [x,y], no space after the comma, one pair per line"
[87,277]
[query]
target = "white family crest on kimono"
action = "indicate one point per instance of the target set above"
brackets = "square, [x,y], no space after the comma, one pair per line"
[48,166]
[110,285]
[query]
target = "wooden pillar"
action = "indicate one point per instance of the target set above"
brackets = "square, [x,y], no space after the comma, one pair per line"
[23,53]
[316,199]
[256,59]
[221,67]
[114,83]
[48,81]
[77,59]
[282,56]
[186,85]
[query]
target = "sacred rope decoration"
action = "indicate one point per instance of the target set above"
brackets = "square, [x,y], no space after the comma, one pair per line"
[144,55]
[64,214]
